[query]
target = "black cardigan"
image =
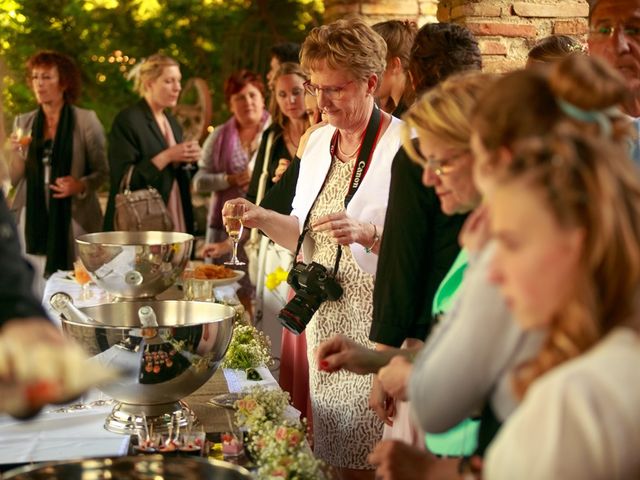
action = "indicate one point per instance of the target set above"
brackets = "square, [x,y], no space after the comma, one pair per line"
[278,151]
[419,245]
[135,138]
[16,297]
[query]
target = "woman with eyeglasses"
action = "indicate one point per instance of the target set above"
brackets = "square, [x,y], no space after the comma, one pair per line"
[340,205]
[59,162]
[466,362]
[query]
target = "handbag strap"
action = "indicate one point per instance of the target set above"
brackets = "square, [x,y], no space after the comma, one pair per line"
[262,184]
[125,183]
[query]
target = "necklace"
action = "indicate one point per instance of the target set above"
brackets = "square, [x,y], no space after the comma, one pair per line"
[348,155]
[289,138]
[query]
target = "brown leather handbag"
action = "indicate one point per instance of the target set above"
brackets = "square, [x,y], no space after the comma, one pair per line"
[140,210]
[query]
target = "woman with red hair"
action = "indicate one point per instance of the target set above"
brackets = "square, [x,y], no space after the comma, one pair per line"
[58,163]
[229,152]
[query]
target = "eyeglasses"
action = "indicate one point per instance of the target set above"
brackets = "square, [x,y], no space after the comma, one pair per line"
[332,93]
[605,31]
[443,166]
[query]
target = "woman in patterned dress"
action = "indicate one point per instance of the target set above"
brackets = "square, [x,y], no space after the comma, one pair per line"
[345,61]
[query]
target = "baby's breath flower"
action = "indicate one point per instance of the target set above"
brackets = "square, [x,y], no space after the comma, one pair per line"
[277,445]
[249,348]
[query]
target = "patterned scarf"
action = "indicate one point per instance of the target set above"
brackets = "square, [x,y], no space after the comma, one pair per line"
[49,234]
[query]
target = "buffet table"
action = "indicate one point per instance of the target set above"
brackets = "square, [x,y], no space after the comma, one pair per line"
[55,435]
[61,434]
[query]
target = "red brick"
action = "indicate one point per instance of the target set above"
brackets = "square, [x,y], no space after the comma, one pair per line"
[476,10]
[444,14]
[334,12]
[396,8]
[488,47]
[551,10]
[498,64]
[502,29]
[578,26]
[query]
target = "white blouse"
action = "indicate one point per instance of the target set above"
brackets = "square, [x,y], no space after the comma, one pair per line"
[579,421]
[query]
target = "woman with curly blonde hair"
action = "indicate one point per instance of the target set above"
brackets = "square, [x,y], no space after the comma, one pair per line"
[566,216]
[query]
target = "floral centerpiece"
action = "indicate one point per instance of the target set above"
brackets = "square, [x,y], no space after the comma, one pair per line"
[249,348]
[278,445]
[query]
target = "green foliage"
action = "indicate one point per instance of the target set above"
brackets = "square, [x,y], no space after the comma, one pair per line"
[210,39]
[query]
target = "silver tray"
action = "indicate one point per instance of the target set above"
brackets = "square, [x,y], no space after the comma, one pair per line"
[144,467]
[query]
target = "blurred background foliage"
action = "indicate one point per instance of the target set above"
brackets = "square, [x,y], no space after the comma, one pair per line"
[210,39]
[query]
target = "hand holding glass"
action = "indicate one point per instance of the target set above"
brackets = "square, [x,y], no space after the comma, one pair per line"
[193,145]
[233,213]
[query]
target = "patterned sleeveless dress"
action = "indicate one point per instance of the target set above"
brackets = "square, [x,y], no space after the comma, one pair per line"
[345,429]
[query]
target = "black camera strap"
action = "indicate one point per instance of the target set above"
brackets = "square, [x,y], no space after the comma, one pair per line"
[365,153]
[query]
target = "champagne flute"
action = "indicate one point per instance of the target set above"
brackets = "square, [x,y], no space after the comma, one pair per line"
[23,137]
[83,278]
[233,213]
[189,137]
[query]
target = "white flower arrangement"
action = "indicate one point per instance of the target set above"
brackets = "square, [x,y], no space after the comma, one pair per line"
[249,348]
[278,446]
[261,405]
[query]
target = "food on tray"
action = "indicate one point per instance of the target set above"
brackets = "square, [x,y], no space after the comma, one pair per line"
[212,272]
[45,374]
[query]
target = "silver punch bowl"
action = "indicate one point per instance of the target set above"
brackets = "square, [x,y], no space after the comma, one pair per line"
[134,265]
[160,364]
[144,467]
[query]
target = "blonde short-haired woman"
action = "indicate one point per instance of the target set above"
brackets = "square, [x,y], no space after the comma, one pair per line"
[345,60]
[147,137]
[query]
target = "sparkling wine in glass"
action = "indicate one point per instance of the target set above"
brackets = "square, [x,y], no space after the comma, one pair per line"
[233,213]
[189,137]
[23,137]
[83,278]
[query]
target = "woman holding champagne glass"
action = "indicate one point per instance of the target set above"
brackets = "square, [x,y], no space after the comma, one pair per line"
[342,223]
[229,152]
[58,164]
[148,138]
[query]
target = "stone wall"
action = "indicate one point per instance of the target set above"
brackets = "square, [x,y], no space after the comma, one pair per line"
[506,29]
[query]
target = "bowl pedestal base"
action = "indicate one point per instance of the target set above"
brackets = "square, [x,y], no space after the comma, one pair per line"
[127,418]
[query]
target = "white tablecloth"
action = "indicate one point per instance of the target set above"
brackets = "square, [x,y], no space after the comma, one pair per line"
[81,434]
[60,436]
[237,382]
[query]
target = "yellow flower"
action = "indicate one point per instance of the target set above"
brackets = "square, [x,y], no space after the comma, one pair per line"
[275,278]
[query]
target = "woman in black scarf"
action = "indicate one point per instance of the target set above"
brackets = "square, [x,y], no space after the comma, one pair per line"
[58,164]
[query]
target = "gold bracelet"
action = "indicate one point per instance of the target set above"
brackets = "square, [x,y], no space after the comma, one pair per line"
[376,238]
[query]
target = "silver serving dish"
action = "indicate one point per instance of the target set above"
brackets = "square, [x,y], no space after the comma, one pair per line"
[143,467]
[135,264]
[161,365]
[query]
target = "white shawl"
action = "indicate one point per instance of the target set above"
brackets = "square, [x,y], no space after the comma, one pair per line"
[369,204]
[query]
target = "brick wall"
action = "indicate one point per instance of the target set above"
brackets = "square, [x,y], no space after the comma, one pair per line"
[506,29]
[420,11]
